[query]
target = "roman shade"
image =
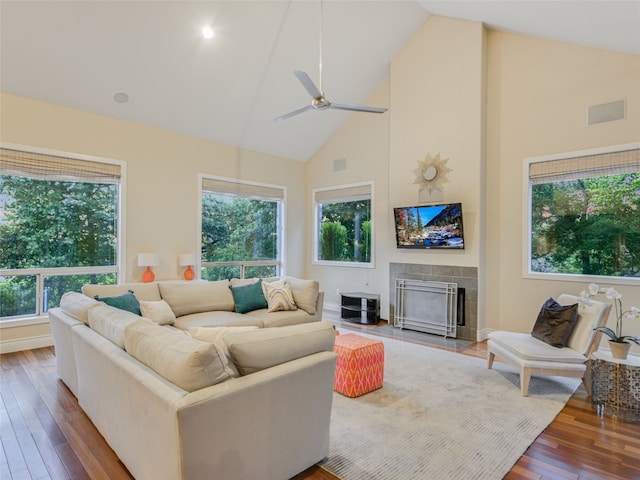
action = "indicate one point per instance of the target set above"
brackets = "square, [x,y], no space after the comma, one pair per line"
[588,166]
[236,188]
[57,168]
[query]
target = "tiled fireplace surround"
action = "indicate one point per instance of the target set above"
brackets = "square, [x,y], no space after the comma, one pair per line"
[465,277]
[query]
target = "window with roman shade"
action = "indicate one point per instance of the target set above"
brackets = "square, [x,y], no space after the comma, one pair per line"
[59,227]
[584,214]
[344,224]
[242,228]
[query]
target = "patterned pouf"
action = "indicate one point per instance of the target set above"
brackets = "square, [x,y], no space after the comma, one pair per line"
[360,365]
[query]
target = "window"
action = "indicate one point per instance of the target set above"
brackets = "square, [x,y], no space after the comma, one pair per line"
[241,229]
[343,225]
[585,214]
[59,228]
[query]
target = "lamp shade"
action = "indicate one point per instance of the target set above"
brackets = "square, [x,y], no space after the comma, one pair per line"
[148,259]
[187,259]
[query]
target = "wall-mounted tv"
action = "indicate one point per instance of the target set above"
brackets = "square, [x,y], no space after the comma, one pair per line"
[429,226]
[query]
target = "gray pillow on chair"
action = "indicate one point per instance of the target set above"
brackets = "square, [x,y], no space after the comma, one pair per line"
[555,323]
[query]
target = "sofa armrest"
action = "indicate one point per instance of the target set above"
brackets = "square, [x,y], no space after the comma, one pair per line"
[320,304]
[271,424]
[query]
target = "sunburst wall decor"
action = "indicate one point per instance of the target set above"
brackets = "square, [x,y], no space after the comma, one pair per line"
[431,173]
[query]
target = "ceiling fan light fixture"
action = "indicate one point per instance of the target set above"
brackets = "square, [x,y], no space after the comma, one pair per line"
[319,102]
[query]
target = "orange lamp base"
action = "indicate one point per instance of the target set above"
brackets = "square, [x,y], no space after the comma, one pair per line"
[189,274]
[148,276]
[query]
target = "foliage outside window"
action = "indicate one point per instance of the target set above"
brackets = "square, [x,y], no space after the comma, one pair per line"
[343,224]
[241,229]
[585,215]
[58,228]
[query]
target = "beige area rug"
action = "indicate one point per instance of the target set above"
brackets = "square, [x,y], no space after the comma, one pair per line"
[440,416]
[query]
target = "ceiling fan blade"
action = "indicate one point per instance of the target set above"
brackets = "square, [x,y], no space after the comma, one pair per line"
[308,84]
[292,114]
[357,108]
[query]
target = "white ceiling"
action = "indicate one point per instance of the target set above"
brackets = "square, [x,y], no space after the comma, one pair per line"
[229,89]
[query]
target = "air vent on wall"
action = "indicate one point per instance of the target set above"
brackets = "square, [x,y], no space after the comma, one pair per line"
[340,164]
[606,112]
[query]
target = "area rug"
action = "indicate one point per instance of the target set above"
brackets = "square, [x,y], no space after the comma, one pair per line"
[440,415]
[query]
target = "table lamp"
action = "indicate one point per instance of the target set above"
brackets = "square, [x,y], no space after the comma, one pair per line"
[186,260]
[148,260]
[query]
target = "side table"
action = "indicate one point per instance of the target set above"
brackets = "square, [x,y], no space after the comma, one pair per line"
[360,307]
[615,386]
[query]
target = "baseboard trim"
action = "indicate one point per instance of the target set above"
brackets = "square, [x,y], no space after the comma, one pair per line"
[26,344]
[332,307]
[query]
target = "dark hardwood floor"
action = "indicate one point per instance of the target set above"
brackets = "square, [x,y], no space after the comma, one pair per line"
[45,434]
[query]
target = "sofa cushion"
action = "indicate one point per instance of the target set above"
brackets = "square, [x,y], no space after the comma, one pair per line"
[184,361]
[77,305]
[248,297]
[532,349]
[185,298]
[159,311]
[281,318]
[264,348]
[217,319]
[305,293]
[216,334]
[279,296]
[142,291]
[111,322]
[239,282]
[555,323]
[125,301]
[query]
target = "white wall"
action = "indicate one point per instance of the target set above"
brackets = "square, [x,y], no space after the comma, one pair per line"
[162,180]
[435,95]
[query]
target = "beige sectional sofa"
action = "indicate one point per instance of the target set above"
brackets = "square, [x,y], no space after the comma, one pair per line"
[212,395]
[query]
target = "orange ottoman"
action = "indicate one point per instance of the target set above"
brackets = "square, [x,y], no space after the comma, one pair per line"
[360,365]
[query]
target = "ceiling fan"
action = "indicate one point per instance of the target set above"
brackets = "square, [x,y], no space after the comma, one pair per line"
[319,102]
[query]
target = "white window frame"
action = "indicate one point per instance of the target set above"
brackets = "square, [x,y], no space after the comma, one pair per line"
[281,227]
[316,224]
[119,269]
[527,212]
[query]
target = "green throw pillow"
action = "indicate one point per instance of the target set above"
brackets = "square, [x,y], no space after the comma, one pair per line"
[126,301]
[249,297]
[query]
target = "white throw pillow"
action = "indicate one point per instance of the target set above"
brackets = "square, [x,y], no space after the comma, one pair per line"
[279,296]
[160,312]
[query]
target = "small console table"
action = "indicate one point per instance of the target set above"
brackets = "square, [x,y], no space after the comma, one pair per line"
[616,386]
[360,307]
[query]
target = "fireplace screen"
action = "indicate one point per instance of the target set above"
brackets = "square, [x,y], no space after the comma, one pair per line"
[429,307]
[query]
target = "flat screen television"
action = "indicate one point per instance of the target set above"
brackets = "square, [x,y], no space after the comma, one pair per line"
[429,226]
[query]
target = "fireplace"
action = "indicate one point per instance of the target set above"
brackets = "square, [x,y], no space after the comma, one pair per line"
[466,280]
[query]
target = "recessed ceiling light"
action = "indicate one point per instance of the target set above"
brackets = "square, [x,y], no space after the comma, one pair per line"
[207,32]
[121,97]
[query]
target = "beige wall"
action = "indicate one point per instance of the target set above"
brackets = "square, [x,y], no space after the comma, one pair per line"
[162,180]
[538,96]
[435,96]
[532,102]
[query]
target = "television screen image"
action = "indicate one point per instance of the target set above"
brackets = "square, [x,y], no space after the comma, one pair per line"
[429,226]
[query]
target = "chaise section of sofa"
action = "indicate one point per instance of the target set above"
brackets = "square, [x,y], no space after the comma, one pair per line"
[171,408]
[225,402]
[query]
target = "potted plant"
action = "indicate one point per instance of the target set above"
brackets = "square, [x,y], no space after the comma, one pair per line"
[618,343]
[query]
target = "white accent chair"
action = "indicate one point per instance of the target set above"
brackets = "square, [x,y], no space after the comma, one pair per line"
[534,357]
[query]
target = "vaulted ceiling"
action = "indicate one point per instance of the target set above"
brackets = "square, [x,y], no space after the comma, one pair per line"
[230,88]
